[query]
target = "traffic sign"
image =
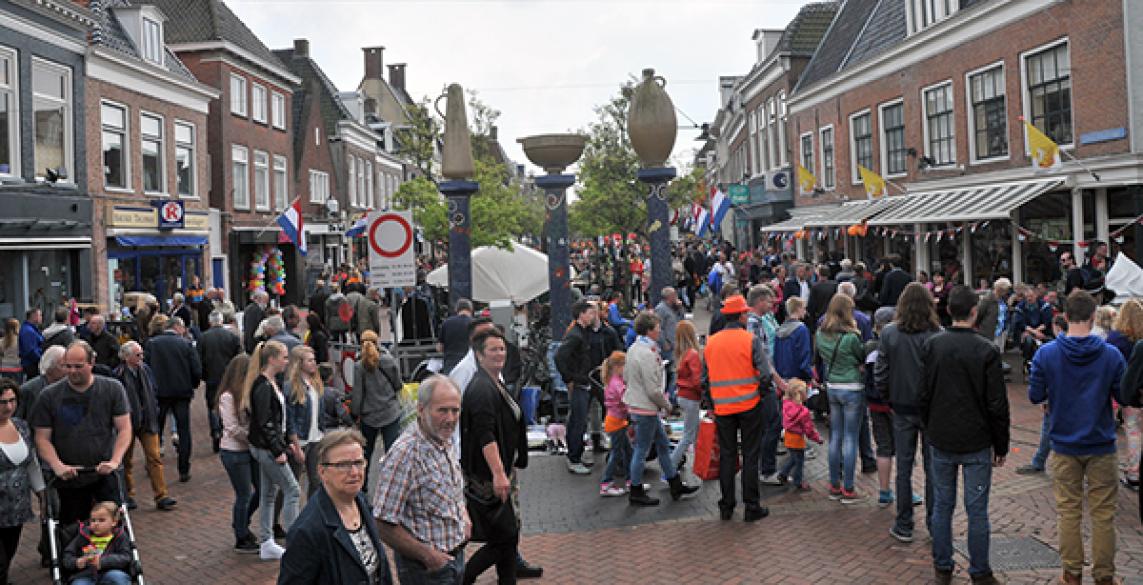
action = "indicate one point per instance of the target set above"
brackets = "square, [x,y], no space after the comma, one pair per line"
[392,260]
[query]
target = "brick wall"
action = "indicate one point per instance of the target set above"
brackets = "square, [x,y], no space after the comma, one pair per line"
[315,155]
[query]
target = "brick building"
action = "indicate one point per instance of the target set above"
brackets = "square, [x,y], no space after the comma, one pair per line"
[146,118]
[930,95]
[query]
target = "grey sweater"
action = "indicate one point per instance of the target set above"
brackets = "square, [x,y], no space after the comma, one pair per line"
[374,397]
[644,377]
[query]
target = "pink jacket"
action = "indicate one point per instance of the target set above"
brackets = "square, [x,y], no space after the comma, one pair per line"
[613,398]
[796,419]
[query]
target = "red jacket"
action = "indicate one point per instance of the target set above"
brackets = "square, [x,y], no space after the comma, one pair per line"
[689,380]
[796,419]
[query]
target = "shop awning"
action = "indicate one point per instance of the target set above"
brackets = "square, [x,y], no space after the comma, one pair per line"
[965,204]
[855,212]
[172,241]
[802,217]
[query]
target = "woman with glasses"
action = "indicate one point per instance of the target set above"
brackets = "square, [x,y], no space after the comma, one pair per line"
[19,475]
[334,540]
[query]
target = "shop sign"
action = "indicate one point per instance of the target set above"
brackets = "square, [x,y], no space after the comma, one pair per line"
[739,194]
[392,260]
[171,214]
[132,217]
[199,221]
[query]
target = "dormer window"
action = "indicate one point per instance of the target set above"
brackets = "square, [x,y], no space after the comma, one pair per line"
[926,13]
[152,41]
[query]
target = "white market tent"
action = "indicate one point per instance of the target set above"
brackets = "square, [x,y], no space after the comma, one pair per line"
[519,275]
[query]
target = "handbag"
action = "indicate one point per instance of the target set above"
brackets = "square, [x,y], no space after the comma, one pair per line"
[821,399]
[492,520]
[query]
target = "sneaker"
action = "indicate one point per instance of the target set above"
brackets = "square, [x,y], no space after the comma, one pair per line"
[247,546]
[884,498]
[270,551]
[1029,470]
[166,504]
[918,499]
[900,535]
[834,493]
[578,468]
[608,490]
[942,577]
[769,479]
[850,497]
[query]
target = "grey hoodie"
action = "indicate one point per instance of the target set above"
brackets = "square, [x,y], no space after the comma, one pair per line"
[787,328]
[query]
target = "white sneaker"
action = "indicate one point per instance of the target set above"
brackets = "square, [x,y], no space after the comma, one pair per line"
[771,479]
[271,551]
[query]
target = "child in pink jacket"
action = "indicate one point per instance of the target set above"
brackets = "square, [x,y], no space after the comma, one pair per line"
[615,423]
[799,426]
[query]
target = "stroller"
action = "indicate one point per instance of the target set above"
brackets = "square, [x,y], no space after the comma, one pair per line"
[58,535]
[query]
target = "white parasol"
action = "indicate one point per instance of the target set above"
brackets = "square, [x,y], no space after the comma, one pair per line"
[519,274]
[1125,278]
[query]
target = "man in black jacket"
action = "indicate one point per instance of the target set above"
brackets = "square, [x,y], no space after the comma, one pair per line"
[963,381]
[821,293]
[139,382]
[894,282]
[573,360]
[104,344]
[178,369]
[252,315]
[216,348]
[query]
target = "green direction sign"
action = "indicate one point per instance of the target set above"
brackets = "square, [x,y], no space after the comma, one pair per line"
[739,194]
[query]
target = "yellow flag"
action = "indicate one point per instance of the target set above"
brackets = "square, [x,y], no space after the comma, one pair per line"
[874,184]
[1045,152]
[806,180]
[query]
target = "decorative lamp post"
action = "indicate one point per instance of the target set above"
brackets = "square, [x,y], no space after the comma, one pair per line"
[652,127]
[554,152]
[458,169]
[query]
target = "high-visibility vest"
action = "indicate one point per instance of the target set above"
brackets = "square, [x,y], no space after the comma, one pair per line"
[730,369]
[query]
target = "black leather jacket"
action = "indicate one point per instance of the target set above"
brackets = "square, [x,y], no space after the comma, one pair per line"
[266,415]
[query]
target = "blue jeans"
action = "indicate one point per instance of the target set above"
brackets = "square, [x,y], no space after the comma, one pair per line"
[619,455]
[413,572]
[275,476]
[977,470]
[845,408]
[245,479]
[649,432]
[794,466]
[771,432]
[1040,459]
[691,421]
[580,399]
[906,431]
[112,577]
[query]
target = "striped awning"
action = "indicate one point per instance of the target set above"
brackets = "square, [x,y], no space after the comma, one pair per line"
[802,217]
[855,212]
[965,204]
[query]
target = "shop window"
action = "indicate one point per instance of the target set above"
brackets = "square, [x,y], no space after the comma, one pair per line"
[240,171]
[9,114]
[261,181]
[893,149]
[940,137]
[988,121]
[829,173]
[113,117]
[52,105]
[281,190]
[1048,74]
[861,144]
[185,159]
[151,132]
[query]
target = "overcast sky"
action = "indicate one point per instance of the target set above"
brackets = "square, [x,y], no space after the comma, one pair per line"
[544,64]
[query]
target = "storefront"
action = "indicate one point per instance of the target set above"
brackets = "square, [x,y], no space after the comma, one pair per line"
[260,259]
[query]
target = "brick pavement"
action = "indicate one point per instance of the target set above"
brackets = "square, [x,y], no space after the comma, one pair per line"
[579,537]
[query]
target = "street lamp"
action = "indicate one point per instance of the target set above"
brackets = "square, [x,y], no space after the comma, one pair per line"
[652,127]
[553,153]
[458,168]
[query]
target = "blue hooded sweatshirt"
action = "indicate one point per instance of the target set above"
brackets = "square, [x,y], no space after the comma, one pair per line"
[1078,376]
[793,351]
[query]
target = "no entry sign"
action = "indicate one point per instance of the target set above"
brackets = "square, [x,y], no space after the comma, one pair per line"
[392,261]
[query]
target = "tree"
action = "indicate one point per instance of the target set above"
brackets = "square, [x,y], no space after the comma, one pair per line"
[418,141]
[429,210]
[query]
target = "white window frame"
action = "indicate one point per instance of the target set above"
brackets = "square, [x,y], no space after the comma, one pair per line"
[1026,94]
[193,147]
[152,46]
[262,181]
[239,95]
[369,194]
[281,192]
[13,91]
[319,186]
[278,110]
[854,176]
[244,160]
[942,9]
[925,120]
[352,181]
[69,115]
[783,141]
[832,184]
[317,136]
[879,131]
[258,103]
[362,195]
[126,144]
[970,115]
[771,133]
[162,139]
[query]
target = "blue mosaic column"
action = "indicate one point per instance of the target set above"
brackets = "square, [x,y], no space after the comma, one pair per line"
[459,239]
[659,229]
[556,237]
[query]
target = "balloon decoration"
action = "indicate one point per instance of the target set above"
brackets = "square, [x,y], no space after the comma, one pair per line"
[267,271]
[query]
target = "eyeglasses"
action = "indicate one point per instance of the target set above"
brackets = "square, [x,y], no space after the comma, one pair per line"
[8,401]
[345,466]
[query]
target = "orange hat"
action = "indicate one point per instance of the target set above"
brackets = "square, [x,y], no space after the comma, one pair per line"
[734,305]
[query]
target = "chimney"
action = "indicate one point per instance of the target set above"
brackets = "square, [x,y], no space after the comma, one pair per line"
[397,75]
[301,48]
[374,62]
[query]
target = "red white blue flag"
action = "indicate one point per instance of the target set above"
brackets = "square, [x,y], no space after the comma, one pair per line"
[293,226]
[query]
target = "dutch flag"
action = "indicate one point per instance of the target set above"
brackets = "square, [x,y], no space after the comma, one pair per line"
[293,227]
[702,220]
[719,205]
[358,227]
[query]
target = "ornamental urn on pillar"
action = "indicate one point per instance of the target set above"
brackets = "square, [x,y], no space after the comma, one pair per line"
[651,122]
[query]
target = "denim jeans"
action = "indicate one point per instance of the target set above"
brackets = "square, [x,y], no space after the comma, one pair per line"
[691,417]
[275,476]
[413,572]
[580,399]
[649,432]
[977,471]
[844,426]
[794,466]
[771,433]
[245,478]
[619,455]
[180,407]
[906,428]
[1040,459]
[112,577]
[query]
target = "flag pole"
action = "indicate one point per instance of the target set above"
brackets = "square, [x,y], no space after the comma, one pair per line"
[1093,174]
[275,220]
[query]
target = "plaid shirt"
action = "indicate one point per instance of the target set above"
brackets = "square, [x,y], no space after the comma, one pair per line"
[421,489]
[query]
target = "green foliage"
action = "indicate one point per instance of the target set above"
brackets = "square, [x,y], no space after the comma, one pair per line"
[429,211]
[418,141]
[609,199]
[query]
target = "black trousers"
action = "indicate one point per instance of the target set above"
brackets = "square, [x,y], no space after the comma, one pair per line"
[749,423]
[9,540]
[502,555]
[76,497]
[181,408]
[771,432]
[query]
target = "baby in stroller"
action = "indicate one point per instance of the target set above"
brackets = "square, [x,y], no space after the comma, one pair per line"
[100,553]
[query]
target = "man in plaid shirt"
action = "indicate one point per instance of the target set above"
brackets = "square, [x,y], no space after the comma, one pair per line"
[419,500]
